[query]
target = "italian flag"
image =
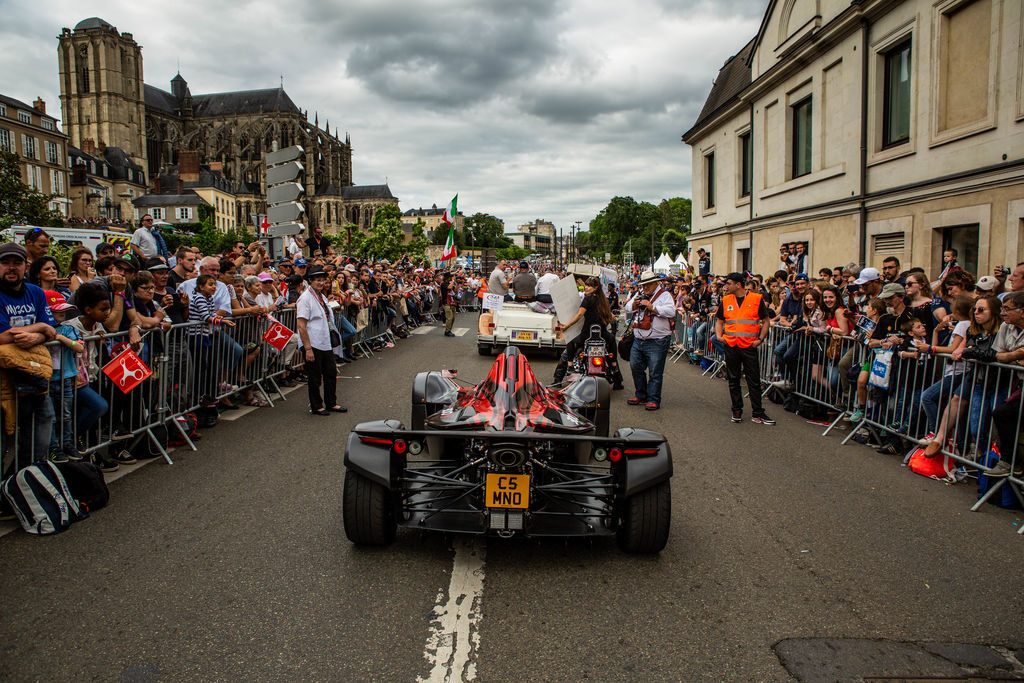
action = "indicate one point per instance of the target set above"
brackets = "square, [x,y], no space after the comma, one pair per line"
[450,212]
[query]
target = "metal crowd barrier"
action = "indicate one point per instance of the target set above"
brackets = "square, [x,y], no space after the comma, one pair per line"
[911,408]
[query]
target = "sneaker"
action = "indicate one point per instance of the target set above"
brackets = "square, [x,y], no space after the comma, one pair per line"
[227,386]
[783,385]
[449,334]
[107,465]
[737,416]
[1002,469]
[762,419]
[855,416]
[125,457]
[651,405]
[888,448]
[635,401]
[56,457]
[74,456]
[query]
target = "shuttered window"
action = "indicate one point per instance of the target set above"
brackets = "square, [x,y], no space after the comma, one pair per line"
[890,243]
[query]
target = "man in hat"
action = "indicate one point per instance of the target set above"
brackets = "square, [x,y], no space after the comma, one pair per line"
[26,320]
[741,324]
[524,284]
[653,311]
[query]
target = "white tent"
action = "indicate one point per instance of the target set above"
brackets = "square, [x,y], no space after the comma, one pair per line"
[662,264]
[681,261]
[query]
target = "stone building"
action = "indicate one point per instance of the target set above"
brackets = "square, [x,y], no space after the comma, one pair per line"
[28,131]
[104,182]
[537,237]
[105,100]
[866,129]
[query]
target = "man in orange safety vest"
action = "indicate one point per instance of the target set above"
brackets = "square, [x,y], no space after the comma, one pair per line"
[741,324]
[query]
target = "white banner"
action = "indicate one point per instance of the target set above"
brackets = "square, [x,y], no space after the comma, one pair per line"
[493,302]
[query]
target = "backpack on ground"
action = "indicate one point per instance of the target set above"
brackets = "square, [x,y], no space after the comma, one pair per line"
[940,466]
[207,416]
[143,447]
[86,483]
[189,423]
[40,498]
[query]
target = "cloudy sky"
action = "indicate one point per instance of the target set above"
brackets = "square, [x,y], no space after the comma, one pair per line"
[525,108]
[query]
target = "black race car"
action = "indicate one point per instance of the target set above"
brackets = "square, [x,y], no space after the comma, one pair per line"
[508,457]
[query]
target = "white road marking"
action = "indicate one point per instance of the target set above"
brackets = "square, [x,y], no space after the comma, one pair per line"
[459,331]
[423,329]
[455,630]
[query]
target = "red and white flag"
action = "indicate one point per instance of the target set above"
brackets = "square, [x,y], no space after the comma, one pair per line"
[277,336]
[127,371]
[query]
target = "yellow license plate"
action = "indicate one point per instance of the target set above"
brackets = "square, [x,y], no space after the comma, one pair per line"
[507,490]
[525,336]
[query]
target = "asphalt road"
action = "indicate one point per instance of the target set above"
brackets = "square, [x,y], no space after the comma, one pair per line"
[232,564]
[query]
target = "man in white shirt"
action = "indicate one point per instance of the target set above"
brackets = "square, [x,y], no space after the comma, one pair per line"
[143,243]
[652,329]
[544,285]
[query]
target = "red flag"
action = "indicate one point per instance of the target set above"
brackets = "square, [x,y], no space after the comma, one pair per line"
[126,371]
[277,336]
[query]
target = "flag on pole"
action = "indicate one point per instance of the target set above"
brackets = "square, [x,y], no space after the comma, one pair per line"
[450,212]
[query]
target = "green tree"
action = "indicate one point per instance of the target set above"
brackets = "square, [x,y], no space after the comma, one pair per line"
[19,203]
[385,239]
[487,232]
[512,253]
[417,246]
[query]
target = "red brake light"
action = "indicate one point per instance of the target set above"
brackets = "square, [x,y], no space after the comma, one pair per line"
[597,361]
[641,451]
[401,447]
[379,442]
[615,454]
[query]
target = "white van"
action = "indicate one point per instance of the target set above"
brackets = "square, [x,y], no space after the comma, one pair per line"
[75,237]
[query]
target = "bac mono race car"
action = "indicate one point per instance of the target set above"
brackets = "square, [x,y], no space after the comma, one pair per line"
[508,457]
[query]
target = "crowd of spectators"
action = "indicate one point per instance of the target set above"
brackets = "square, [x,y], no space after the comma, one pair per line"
[80,318]
[937,340]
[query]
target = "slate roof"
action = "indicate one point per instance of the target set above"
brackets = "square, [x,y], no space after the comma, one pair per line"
[424,212]
[190,198]
[330,190]
[160,99]
[224,103]
[733,78]
[18,104]
[207,178]
[93,22]
[367,192]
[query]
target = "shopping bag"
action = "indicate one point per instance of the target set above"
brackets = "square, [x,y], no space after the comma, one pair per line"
[881,369]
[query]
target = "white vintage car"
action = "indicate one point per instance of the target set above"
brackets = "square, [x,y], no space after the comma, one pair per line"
[516,324]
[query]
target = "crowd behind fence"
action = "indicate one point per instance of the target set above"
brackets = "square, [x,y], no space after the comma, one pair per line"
[932,397]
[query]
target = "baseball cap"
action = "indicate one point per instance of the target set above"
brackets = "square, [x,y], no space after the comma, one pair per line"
[155,264]
[127,260]
[986,283]
[866,275]
[57,302]
[102,246]
[349,268]
[265,277]
[801,276]
[740,278]
[892,289]
[524,264]
[12,249]
[299,262]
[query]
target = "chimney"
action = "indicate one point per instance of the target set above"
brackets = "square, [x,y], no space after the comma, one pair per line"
[188,166]
[181,185]
[89,147]
[101,148]
[40,105]
[157,189]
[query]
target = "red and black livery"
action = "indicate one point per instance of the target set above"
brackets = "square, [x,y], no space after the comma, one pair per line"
[505,457]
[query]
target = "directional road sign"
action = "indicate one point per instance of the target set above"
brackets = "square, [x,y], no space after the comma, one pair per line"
[285,155]
[284,173]
[280,194]
[285,229]
[285,213]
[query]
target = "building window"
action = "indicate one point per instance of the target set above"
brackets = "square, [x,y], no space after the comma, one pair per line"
[85,79]
[24,117]
[184,213]
[157,214]
[33,177]
[801,137]
[57,182]
[709,181]
[896,96]
[47,124]
[746,165]
[3,110]
[52,153]
[6,143]
[28,147]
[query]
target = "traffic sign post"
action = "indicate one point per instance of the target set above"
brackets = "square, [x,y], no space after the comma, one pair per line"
[285,190]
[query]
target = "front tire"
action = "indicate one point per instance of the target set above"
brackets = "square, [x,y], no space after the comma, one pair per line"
[644,526]
[368,511]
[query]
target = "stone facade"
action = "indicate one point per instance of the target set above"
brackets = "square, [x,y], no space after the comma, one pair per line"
[28,131]
[104,183]
[866,129]
[105,100]
[537,237]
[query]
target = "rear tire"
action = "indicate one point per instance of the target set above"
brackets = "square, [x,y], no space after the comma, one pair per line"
[644,526]
[483,349]
[367,510]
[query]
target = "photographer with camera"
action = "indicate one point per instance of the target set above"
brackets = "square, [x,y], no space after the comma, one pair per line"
[653,311]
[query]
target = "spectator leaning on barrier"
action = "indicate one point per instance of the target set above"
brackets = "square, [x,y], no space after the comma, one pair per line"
[94,308]
[319,338]
[1009,348]
[25,324]
[653,311]
[63,380]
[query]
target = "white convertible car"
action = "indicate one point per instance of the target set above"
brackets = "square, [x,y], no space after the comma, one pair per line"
[517,324]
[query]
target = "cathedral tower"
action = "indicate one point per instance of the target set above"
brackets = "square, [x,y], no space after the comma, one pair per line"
[101,89]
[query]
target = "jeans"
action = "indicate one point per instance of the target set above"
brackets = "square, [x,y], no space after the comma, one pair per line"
[647,362]
[227,351]
[786,356]
[936,396]
[700,337]
[91,407]
[35,423]
[62,394]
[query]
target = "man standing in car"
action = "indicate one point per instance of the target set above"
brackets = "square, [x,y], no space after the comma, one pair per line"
[498,282]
